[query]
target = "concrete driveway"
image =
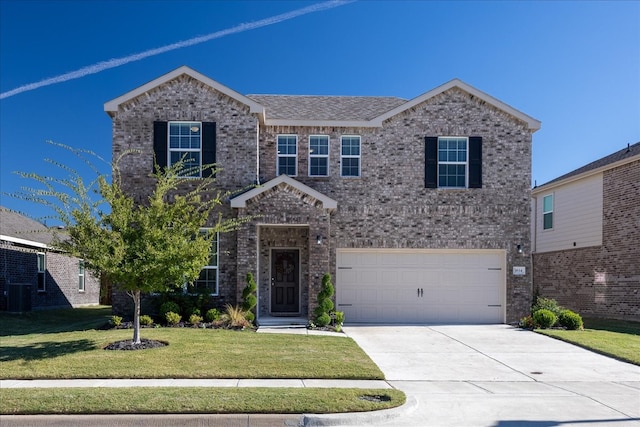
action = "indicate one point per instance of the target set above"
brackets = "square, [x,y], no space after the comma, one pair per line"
[497,375]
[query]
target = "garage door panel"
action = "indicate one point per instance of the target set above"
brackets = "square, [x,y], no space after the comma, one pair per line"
[424,286]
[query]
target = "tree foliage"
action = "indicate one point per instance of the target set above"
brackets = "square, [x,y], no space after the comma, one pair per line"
[152,246]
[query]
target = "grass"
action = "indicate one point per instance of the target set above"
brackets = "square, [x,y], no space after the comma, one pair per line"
[615,338]
[66,344]
[173,400]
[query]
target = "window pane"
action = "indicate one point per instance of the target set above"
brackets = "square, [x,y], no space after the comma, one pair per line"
[548,221]
[350,167]
[319,145]
[318,166]
[287,165]
[547,203]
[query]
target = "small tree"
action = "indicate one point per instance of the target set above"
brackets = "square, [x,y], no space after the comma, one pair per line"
[325,304]
[249,298]
[151,246]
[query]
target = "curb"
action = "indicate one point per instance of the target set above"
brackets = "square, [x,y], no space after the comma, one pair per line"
[360,418]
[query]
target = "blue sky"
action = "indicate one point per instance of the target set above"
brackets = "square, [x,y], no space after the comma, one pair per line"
[575,66]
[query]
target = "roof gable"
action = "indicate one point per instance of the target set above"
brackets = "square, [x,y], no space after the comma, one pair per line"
[241,200]
[627,155]
[111,107]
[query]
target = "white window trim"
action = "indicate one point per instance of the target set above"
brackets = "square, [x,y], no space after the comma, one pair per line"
[553,203]
[319,156]
[81,275]
[359,156]
[278,155]
[43,271]
[465,163]
[192,150]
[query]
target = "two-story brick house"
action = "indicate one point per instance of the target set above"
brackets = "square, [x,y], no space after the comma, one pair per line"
[418,208]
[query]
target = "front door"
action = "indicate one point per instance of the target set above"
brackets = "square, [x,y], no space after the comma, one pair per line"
[285,283]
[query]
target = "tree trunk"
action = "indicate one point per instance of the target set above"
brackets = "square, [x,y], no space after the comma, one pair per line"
[136,316]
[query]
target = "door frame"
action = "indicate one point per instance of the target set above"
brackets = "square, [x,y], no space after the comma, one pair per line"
[280,313]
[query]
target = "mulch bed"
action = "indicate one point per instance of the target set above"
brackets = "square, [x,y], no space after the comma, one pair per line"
[129,345]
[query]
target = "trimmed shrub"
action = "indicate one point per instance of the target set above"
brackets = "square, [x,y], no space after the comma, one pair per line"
[338,320]
[212,315]
[169,306]
[570,320]
[249,298]
[325,304]
[547,304]
[146,320]
[194,319]
[526,322]
[544,318]
[195,311]
[115,321]
[173,318]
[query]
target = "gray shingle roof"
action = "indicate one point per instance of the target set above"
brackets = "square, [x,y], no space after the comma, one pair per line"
[629,151]
[18,226]
[293,107]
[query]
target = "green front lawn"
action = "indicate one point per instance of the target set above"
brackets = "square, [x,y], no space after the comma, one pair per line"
[616,338]
[69,344]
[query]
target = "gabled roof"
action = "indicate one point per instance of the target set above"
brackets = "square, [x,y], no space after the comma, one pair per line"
[628,154]
[241,200]
[112,106]
[17,228]
[339,111]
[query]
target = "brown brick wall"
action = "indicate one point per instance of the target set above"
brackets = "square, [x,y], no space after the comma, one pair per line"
[602,281]
[19,265]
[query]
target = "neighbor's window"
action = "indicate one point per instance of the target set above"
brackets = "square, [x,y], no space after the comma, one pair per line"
[207,282]
[452,162]
[185,143]
[81,275]
[547,212]
[42,271]
[287,155]
[318,155]
[350,155]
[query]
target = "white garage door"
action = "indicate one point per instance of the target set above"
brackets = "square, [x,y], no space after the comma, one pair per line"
[421,286]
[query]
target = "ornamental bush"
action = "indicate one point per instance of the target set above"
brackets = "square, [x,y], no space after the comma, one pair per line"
[544,318]
[212,315]
[547,304]
[115,321]
[169,306]
[194,319]
[146,320]
[570,320]
[173,318]
[325,304]
[249,298]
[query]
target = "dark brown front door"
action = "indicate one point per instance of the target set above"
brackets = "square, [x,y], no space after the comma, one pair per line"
[285,284]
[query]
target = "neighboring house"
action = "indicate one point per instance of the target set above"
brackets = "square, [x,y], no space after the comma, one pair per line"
[33,276]
[419,209]
[586,228]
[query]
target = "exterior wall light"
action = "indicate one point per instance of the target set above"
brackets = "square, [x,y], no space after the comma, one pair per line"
[319,239]
[519,247]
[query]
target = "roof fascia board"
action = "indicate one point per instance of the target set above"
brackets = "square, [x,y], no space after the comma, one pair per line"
[533,124]
[24,242]
[241,200]
[546,187]
[254,107]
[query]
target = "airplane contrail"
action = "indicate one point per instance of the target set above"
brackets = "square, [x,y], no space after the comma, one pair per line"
[116,62]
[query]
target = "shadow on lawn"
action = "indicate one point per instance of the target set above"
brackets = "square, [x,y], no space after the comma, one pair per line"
[45,350]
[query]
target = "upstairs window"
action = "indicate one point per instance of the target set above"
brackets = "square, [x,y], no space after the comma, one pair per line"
[207,282]
[318,155]
[193,142]
[453,162]
[547,212]
[81,276]
[287,155]
[42,271]
[350,156]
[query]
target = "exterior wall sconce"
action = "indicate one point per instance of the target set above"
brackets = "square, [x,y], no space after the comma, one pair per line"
[519,247]
[319,239]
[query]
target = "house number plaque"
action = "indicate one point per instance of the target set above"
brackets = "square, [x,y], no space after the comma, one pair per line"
[519,271]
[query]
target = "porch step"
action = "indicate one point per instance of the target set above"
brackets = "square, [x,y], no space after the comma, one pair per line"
[283,322]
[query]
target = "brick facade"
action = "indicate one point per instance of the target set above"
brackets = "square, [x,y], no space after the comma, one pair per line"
[601,281]
[388,206]
[19,265]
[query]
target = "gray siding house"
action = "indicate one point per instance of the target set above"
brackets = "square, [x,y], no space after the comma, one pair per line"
[419,209]
[33,276]
[586,237]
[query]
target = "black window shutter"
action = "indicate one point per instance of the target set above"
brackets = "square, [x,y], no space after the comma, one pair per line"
[160,144]
[208,146]
[475,162]
[431,162]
